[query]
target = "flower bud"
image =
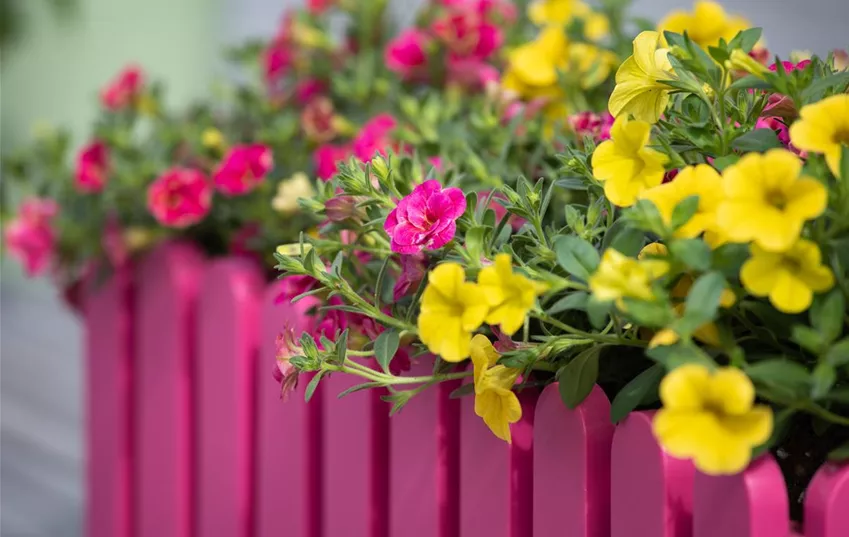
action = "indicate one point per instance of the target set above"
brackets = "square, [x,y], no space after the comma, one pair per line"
[740,61]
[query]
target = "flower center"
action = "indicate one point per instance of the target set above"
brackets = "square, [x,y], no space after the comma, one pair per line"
[792,265]
[841,136]
[777,199]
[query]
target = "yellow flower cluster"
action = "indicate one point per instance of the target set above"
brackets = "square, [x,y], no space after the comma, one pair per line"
[619,276]
[547,12]
[495,401]
[639,88]
[706,24]
[710,417]
[452,308]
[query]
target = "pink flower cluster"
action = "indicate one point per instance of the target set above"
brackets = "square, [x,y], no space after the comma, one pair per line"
[426,218]
[92,167]
[180,197]
[591,125]
[30,237]
[374,138]
[123,90]
[243,168]
[781,105]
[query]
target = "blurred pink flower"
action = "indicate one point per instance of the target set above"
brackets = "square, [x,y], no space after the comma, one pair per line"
[113,242]
[317,120]
[327,158]
[841,59]
[243,168]
[317,7]
[292,286]
[341,208]
[472,74]
[286,346]
[669,176]
[595,126]
[307,90]
[123,90]
[467,35]
[180,197]
[374,137]
[30,237]
[406,54]
[92,167]
[413,271]
[789,67]
[426,218]
[781,131]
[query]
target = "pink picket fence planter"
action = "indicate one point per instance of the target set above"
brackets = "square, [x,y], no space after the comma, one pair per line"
[187,436]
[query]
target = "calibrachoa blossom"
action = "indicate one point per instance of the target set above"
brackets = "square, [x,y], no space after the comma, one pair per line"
[289,191]
[451,309]
[467,35]
[639,88]
[413,271]
[123,91]
[407,54]
[824,128]
[30,237]
[619,276]
[591,125]
[327,158]
[317,120]
[374,137]
[495,401]
[180,197]
[284,372]
[92,167]
[625,164]
[511,296]
[244,167]
[426,218]
[789,278]
[710,417]
[706,24]
[767,200]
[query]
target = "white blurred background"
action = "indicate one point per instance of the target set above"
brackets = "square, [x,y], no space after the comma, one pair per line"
[51,75]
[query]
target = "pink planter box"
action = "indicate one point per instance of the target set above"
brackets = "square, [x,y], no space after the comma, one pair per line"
[188,437]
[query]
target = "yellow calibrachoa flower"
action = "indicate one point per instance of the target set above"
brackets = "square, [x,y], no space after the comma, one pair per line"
[451,309]
[789,278]
[823,127]
[706,24]
[638,88]
[596,25]
[619,276]
[767,201]
[211,138]
[289,191]
[546,12]
[510,296]
[626,166]
[702,181]
[532,69]
[495,401]
[592,62]
[711,417]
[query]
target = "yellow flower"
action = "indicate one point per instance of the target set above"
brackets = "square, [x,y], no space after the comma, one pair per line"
[624,163]
[510,296]
[767,201]
[638,88]
[547,12]
[533,67]
[289,191]
[293,249]
[619,276]
[790,278]
[451,309]
[706,25]
[823,127]
[702,181]
[711,417]
[592,62]
[596,25]
[495,401]
[211,138]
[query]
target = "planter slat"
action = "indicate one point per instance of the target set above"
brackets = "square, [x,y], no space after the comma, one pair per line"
[227,338]
[750,504]
[169,280]
[287,465]
[827,502]
[651,493]
[572,457]
[109,351]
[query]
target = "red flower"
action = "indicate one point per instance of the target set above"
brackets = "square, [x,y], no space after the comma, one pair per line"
[180,197]
[244,167]
[92,167]
[124,89]
[30,237]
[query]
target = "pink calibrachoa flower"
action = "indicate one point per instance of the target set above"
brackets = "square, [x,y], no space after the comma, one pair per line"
[180,197]
[781,105]
[284,372]
[317,7]
[374,137]
[244,167]
[279,54]
[327,158]
[426,218]
[92,167]
[123,90]
[317,120]
[30,237]
[471,74]
[413,271]
[407,54]
[596,126]
[340,208]
[781,131]
[307,90]
[292,286]
[467,35]
[669,176]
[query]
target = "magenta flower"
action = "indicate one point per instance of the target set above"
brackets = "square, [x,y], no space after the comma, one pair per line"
[179,197]
[471,74]
[124,89]
[374,137]
[292,286]
[244,167]
[306,90]
[781,131]
[407,54]
[589,124]
[284,372]
[327,158]
[413,271]
[426,218]
[30,237]
[92,167]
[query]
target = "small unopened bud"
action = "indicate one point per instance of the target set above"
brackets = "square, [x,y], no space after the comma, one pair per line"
[380,168]
[740,61]
[342,208]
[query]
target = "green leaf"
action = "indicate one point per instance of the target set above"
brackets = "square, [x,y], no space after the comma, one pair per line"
[808,338]
[757,140]
[572,301]
[723,162]
[463,391]
[791,378]
[308,393]
[576,255]
[839,454]
[342,346]
[475,239]
[672,356]
[360,387]
[750,82]
[385,347]
[576,379]
[729,259]
[378,286]
[818,87]
[624,238]
[826,315]
[684,211]
[838,354]
[844,163]
[630,396]
[694,253]
[823,378]
[747,39]
[703,299]
[651,314]
[645,215]
[597,312]
[719,54]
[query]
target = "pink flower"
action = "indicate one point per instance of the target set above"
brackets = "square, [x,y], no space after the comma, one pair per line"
[426,218]
[341,208]
[761,55]
[317,7]
[841,59]
[284,372]
[413,271]
[317,120]
[113,242]
[669,176]
[407,55]
[595,126]
[293,286]
[327,158]
[244,167]
[334,321]
[180,197]
[123,90]
[374,137]
[307,90]
[789,67]
[467,35]
[471,74]
[781,131]
[30,237]
[92,167]
[240,242]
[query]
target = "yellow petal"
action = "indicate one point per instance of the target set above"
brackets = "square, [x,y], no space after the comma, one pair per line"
[759,275]
[483,355]
[732,391]
[683,389]
[753,427]
[790,294]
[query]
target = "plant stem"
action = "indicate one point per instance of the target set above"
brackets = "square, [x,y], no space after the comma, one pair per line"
[587,335]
